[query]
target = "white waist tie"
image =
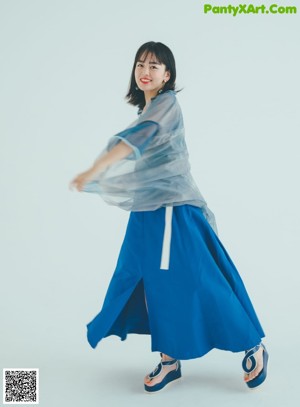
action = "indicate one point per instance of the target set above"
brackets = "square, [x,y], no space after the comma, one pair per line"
[165,255]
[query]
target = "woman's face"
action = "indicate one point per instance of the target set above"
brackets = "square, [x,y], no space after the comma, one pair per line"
[150,75]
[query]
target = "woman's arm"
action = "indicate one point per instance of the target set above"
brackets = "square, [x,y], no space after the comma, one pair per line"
[118,152]
[161,112]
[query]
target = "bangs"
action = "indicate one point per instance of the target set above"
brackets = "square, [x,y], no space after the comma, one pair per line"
[143,54]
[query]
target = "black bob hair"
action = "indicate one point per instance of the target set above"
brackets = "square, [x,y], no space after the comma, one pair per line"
[165,56]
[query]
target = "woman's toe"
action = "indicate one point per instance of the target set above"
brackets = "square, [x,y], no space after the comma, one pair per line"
[147,380]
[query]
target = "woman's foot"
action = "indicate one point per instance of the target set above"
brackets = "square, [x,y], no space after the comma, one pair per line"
[160,372]
[255,365]
[259,365]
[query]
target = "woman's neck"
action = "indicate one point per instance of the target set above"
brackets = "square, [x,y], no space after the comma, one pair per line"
[148,96]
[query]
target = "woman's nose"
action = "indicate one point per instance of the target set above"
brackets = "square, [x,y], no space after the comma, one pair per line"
[145,70]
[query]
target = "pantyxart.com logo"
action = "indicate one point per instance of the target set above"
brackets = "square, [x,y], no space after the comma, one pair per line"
[249,9]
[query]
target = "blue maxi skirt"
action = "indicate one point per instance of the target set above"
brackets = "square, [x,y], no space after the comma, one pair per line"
[175,281]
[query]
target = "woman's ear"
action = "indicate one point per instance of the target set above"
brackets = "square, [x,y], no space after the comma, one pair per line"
[167,76]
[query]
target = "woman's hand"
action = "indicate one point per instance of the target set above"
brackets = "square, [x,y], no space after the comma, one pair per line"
[81,179]
[119,151]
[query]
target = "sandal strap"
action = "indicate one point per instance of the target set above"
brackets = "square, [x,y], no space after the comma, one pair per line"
[157,371]
[167,362]
[249,357]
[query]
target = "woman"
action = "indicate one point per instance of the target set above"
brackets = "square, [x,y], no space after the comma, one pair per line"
[174,279]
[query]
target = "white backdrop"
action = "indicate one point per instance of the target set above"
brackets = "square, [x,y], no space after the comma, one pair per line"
[64,71]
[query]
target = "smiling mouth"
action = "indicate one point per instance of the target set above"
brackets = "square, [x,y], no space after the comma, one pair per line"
[145,81]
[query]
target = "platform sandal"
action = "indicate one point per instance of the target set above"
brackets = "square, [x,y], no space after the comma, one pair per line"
[170,377]
[249,357]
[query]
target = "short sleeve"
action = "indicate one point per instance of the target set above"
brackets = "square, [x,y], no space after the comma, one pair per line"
[139,135]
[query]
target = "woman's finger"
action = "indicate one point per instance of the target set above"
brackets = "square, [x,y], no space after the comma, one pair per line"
[73,184]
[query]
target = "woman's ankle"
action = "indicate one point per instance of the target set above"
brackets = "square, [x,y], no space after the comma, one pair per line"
[166,357]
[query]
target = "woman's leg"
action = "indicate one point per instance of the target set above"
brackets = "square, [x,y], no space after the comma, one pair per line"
[166,368]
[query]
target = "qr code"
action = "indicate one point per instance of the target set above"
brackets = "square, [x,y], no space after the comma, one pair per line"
[20,386]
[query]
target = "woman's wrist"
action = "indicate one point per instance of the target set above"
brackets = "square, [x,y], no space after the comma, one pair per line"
[95,170]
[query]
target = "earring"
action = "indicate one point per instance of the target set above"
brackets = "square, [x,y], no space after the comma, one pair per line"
[136,88]
[160,90]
